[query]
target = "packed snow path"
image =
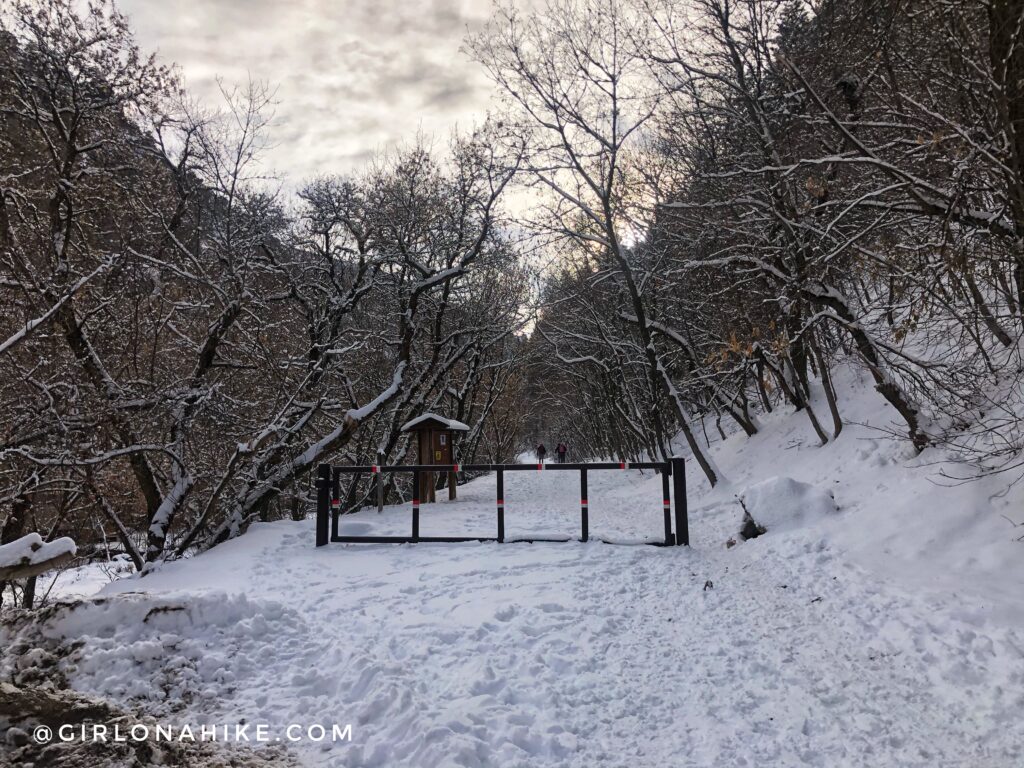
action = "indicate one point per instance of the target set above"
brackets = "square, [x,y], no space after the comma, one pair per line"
[778,652]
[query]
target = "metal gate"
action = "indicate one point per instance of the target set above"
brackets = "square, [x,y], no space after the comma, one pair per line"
[328,505]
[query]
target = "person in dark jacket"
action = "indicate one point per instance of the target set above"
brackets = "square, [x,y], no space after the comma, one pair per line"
[562,449]
[541,453]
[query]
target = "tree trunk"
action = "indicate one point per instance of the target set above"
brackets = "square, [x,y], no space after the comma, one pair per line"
[884,383]
[830,392]
[1006,56]
[811,415]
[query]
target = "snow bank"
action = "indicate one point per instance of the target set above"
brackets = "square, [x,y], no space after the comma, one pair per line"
[167,651]
[782,503]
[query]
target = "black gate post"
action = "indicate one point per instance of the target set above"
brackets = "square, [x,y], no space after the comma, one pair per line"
[415,504]
[667,504]
[501,506]
[679,497]
[323,503]
[335,499]
[380,481]
[584,509]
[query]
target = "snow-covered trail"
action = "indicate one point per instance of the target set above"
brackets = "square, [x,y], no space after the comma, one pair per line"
[565,654]
[889,633]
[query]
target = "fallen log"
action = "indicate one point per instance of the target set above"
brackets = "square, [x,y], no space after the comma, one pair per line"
[30,555]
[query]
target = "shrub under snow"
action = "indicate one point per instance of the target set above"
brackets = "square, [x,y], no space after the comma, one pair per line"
[782,503]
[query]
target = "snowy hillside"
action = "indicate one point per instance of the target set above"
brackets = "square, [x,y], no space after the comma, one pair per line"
[886,633]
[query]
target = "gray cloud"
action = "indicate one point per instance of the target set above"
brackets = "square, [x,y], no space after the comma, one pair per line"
[352,76]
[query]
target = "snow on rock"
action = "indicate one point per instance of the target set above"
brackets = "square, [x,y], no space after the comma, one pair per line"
[782,503]
[31,550]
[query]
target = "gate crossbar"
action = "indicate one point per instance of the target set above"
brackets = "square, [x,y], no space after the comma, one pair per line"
[673,479]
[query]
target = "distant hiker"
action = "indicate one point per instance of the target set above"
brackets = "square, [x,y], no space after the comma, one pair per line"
[541,453]
[561,449]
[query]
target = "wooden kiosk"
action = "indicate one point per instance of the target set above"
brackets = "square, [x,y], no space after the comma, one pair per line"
[435,435]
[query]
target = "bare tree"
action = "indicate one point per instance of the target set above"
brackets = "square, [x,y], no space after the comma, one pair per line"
[578,91]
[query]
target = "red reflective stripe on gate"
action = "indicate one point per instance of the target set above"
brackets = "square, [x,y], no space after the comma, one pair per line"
[540,466]
[501,502]
[375,469]
[335,502]
[583,502]
[415,502]
[667,503]
[622,465]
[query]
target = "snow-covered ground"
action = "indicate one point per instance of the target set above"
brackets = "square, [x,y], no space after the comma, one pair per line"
[887,633]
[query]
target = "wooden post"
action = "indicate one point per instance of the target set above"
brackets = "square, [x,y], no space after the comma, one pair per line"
[323,503]
[425,480]
[449,456]
[28,594]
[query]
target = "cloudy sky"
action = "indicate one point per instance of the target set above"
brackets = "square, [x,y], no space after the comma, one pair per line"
[351,76]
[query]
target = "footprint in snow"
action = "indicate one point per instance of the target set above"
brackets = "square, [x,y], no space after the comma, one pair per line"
[489,685]
[551,607]
[506,614]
